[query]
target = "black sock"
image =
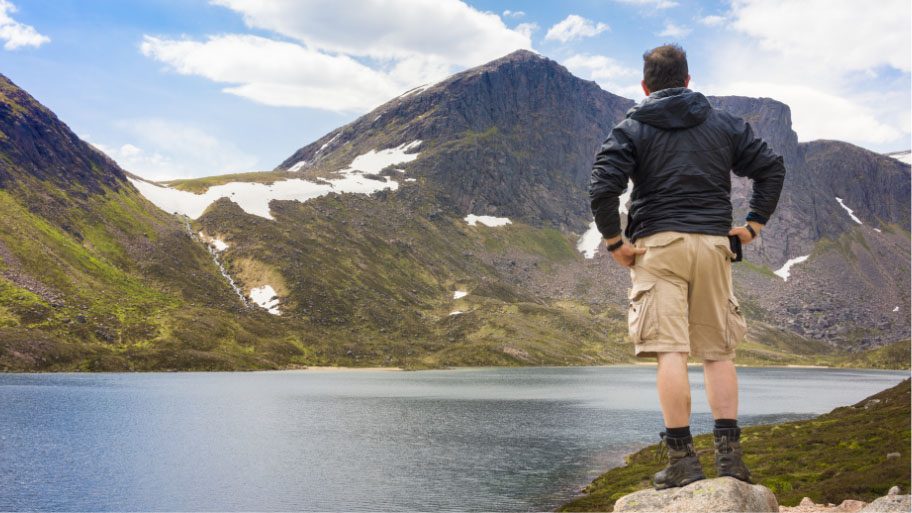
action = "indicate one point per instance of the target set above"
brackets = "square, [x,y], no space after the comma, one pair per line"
[728,428]
[678,432]
[726,423]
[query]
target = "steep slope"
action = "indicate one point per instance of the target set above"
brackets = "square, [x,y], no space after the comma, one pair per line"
[512,138]
[92,275]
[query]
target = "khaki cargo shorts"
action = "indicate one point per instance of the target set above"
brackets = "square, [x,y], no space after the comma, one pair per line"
[682,300]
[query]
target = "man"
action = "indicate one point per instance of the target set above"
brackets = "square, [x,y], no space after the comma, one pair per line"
[678,151]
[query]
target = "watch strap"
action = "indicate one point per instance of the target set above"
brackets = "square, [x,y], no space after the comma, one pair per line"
[751,229]
[616,245]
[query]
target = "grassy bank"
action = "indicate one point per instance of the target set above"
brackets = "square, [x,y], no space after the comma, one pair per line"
[854,452]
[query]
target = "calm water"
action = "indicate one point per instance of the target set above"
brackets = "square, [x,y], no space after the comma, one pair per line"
[467,440]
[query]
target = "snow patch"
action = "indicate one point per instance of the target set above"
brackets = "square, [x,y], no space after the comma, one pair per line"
[486,220]
[589,242]
[416,91]
[877,230]
[254,197]
[455,312]
[374,161]
[411,180]
[902,156]
[265,296]
[896,309]
[378,117]
[849,210]
[458,294]
[783,272]
[218,244]
[301,164]
[328,143]
[624,198]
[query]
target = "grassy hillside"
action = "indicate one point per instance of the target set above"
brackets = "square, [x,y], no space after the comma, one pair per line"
[854,452]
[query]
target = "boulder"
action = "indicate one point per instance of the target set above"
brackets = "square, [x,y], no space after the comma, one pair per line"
[708,495]
[890,503]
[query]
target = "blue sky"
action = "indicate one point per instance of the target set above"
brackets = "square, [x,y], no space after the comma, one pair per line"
[182,88]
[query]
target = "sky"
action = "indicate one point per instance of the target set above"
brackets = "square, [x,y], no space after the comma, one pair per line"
[186,88]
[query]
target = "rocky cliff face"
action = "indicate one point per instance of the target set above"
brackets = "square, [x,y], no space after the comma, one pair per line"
[513,138]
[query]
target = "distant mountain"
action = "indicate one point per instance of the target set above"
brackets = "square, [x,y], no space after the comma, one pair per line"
[447,227]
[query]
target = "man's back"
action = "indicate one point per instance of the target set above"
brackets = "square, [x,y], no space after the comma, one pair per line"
[679,151]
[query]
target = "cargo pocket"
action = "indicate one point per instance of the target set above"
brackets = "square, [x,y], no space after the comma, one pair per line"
[736,327]
[641,315]
[725,248]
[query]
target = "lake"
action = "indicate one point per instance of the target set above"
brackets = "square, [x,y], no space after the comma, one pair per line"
[502,439]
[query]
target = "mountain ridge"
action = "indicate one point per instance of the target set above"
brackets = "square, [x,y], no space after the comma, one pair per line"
[372,259]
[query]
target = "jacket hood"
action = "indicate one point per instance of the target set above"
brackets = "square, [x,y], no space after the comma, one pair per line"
[677,107]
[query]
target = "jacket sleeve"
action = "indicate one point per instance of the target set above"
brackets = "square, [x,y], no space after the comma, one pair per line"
[615,162]
[754,159]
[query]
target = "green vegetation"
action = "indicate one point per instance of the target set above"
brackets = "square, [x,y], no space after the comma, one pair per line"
[854,452]
[201,185]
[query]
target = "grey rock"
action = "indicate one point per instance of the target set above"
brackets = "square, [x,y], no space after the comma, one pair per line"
[890,504]
[708,495]
[894,491]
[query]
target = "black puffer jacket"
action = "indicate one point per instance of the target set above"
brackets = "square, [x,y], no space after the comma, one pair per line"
[678,151]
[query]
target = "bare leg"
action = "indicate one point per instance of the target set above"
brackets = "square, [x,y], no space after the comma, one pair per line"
[674,389]
[721,388]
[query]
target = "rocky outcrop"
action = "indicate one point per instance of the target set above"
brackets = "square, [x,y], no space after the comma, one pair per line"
[709,495]
[890,504]
[893,502]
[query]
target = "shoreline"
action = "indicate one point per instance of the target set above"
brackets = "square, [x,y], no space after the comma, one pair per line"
[343,368]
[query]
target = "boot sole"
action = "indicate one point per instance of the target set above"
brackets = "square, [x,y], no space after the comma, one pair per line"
[685,483]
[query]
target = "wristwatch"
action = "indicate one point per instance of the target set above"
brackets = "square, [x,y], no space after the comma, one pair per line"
[616,245]
[751,229]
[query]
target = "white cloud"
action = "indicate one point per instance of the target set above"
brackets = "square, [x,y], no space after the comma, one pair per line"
[675,31]
[527,29]
[712,20]
[842,66]
[349,59]
[846,34]
[513,14]
[575,27]
[167,150]
[394,29]
[281,73]
[17,34]
[658,4]
[611,75]
[817,114]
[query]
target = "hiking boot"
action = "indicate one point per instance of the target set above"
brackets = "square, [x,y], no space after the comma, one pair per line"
[683,463]
[728,454]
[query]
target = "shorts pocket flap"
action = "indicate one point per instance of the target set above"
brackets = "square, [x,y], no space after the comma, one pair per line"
[639,290]
[726,248]
[662,239]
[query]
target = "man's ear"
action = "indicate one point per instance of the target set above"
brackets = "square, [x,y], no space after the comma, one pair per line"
[646,89]
[687,81]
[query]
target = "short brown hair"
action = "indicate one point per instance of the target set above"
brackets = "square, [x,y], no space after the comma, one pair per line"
[664,67]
